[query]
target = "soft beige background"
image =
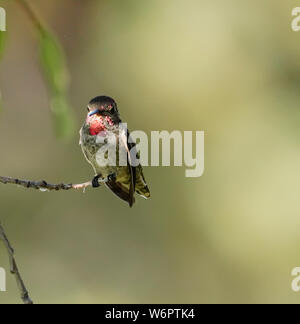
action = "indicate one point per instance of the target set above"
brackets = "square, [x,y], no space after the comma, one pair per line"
[231,68]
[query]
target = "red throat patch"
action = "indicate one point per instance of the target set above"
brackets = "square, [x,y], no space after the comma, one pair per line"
[97,124]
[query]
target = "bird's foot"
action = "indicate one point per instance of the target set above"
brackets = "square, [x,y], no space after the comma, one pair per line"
[95,181]
[112,177]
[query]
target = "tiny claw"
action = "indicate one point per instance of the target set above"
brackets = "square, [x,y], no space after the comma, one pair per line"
[95,182]
[112,177]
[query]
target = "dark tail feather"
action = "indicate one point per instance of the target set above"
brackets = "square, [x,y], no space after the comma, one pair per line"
[121,192]
[132,184]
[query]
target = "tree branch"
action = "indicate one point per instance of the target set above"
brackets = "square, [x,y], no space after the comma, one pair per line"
[39,185]
[14,268]
[43,185]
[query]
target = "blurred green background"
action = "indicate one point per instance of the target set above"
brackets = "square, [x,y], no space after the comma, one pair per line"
[230,68]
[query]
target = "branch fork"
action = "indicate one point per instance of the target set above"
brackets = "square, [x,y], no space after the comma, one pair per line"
[38,185]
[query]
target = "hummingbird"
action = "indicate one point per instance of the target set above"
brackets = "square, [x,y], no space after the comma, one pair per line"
[102,122]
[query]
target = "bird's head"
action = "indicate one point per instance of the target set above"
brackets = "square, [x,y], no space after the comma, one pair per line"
[102,114]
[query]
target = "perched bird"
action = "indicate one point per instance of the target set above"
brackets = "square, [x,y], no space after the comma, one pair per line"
[103,120]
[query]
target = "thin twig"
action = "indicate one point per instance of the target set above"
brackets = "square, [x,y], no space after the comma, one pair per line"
[14,268]
[43,185]
[39,185]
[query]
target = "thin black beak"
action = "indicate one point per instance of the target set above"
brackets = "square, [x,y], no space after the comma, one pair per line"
[94,112]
